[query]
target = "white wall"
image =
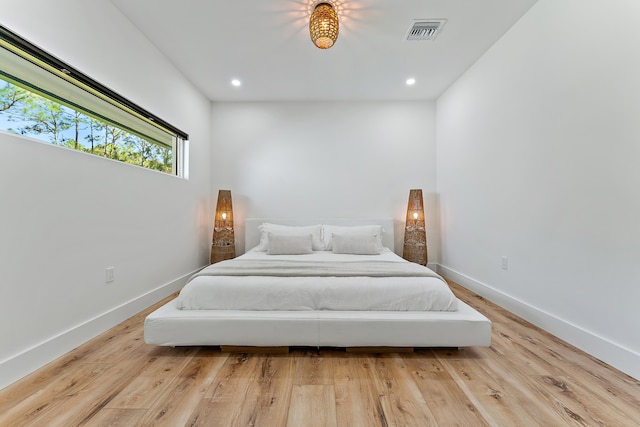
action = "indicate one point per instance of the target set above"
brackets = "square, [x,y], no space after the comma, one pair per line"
[326,159]
[538,152]
[65,216]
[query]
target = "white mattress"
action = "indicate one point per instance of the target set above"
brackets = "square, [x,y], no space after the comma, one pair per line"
[302,291]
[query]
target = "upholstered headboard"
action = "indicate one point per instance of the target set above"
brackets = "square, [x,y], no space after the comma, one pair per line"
[252,234]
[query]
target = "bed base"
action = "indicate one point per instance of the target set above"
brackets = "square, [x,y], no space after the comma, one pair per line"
[170,326]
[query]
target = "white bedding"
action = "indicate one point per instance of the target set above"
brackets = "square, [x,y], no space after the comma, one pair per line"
[171,326]
[302,292]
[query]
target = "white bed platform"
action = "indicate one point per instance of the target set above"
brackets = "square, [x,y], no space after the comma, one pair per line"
[170,326]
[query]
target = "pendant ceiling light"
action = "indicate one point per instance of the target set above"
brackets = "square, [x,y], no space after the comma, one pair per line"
[323,26]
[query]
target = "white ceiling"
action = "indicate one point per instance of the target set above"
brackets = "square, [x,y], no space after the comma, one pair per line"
[266,45]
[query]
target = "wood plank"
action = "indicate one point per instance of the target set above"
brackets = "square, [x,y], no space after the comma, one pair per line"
[606,381]
[75,369]
[534,399]
[495,405]
[106,348]
[357,400]
[175,407]
[95,396]
[400,398]
[313,366]
[529,360]
[40,403]
[612,393]
[446,402]
[268,396]
[116,418]
[312,406]
[223,400]
[586,406]
[620,391]
[143,390]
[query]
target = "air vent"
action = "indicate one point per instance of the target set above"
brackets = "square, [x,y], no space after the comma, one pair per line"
[425,29]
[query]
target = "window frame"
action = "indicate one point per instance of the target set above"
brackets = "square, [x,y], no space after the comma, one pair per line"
[27,50]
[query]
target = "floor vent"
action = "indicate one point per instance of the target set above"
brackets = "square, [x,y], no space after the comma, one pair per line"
[425,29]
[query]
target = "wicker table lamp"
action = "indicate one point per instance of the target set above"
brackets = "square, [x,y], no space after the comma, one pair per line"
[415,234]
[223,245]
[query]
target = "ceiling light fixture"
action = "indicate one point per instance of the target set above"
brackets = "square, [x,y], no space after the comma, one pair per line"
[323,25]
[411,81]
[236,82]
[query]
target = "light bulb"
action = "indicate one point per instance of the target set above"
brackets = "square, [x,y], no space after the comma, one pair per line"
[415,215]
[224,215]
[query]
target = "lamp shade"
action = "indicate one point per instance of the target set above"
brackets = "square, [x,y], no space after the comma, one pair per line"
[415,234]
[223,245]
[323,26]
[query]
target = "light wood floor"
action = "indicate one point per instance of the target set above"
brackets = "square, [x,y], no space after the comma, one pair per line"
[526,378]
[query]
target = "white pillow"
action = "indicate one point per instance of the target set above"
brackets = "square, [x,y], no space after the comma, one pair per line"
[355,244]
[366,230]
[314,230]
[279,244]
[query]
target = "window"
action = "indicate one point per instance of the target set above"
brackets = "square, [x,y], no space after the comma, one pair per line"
[46,99]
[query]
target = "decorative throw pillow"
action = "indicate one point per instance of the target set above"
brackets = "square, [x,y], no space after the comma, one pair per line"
[279,244]
[314,230]
[355,244]
[364,230]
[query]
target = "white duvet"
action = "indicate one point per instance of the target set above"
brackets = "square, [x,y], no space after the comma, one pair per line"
[415,288]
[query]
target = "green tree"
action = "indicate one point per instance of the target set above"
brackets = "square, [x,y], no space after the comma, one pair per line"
[44,117]
[10,96]
[141,147]
[77,120]
[156,158]
[61,125]
[113,137]
[94,137]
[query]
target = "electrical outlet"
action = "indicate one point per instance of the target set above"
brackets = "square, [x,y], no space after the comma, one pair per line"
[109,274]
[505,263]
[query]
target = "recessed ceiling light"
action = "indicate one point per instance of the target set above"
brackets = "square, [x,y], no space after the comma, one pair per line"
[236,82]
[411,81]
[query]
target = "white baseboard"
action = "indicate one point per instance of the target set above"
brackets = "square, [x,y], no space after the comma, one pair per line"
[609,352]
[26,362]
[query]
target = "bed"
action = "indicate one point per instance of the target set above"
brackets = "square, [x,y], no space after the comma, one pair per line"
[321,289]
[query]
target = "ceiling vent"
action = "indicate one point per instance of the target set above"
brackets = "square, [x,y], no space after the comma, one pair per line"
[425,29]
